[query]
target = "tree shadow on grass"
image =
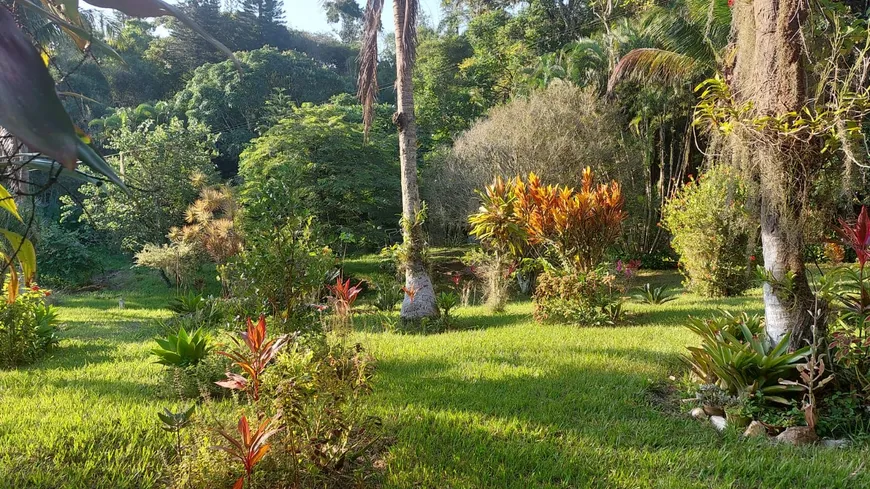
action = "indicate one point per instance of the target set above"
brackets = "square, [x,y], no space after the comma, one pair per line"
[67,356]
[569,426]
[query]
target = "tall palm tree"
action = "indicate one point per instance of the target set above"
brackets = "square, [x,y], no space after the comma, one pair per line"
[420,294]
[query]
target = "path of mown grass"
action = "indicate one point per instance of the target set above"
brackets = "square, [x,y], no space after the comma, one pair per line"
[85,416]
[502,403]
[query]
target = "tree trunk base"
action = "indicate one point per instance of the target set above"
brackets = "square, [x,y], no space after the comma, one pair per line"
[423,304]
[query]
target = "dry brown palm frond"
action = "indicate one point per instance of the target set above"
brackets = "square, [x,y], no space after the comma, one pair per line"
[368,61]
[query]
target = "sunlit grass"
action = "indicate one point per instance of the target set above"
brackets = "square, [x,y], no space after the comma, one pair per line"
[499,402]
[84,416]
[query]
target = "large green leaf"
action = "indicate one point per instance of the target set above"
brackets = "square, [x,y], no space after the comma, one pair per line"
[23,250]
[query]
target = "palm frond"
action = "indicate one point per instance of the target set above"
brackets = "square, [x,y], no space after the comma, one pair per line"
[650,64]
[367,90]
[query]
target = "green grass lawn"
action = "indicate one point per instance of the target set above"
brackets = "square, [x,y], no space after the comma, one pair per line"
[500,403]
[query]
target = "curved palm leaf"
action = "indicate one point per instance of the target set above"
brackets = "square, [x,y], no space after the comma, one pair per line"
[663,66]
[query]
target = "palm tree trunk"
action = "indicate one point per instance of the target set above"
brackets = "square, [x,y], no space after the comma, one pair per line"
[769,71]
[421,303]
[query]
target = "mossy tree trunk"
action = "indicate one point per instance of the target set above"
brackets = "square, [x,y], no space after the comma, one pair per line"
[769,71]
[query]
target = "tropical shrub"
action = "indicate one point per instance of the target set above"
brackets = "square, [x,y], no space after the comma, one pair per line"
[712,232]
[164,181]
[320,389]
[281,240]
[177,263]
[319,434]
[28,328]
[64,261]
[572,297]
[259,274]
[570,228]
[249,447]
[252,355]
[342,297]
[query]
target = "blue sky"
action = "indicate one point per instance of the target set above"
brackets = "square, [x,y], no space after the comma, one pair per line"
[307,15]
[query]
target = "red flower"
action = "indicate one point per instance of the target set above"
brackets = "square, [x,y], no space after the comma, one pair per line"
[411,292]
[34,288]
[456,278]
[857,236]
[752,258]
[730,3]
[47,293]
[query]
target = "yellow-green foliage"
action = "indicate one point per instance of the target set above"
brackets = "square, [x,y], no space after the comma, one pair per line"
[712,231]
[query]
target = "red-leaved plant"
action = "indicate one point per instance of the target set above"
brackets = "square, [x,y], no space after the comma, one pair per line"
[249,448]
[252,355]
[857,236]
[342,296]
[849,291]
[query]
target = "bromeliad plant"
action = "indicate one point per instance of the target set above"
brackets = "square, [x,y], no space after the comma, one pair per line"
[735,355]
[249,448]
[654,296]
[252,354]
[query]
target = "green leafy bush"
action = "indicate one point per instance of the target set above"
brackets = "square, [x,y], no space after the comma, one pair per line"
[64,261]
[282,272]
[712,232]
[163,181]
[349,185]
[588,299]
[326,437]
[28,329]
